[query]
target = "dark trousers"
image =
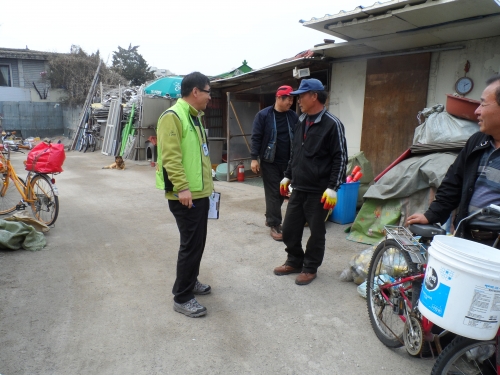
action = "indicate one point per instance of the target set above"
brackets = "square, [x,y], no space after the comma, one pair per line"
[304,207]
[192,224]
[272,174]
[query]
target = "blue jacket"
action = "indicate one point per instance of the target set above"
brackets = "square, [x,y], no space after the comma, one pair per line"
[262,130]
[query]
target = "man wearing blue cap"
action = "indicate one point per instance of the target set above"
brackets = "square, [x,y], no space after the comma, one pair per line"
[316,170]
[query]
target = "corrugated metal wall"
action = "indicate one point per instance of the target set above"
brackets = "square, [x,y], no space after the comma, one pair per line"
[14,70]
[32,70]
[32,119]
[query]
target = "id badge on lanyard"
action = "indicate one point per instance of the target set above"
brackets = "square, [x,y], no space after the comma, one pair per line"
[205,149]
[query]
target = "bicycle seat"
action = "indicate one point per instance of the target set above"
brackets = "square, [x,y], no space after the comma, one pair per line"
[426,230]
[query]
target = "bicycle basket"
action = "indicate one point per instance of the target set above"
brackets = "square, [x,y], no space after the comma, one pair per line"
[46,158]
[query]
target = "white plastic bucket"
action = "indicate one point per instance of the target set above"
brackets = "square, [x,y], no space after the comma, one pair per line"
[461,290]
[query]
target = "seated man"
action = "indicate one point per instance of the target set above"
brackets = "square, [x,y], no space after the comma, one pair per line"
[473,180]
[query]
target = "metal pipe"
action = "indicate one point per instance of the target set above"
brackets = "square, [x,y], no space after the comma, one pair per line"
[389,54]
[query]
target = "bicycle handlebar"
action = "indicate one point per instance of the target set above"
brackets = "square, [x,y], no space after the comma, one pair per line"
[492,209]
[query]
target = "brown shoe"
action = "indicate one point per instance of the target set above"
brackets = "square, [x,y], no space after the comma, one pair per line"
[285,270]
[276,233]
[305,278]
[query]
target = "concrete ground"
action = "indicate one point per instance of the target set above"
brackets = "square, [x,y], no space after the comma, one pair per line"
[97,299]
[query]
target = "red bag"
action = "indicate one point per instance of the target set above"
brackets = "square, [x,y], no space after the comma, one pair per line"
[46,158]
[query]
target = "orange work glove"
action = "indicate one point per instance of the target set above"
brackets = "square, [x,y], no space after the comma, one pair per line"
[284,186]
[329,199]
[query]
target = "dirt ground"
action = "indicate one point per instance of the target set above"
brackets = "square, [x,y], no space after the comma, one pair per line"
[97,299]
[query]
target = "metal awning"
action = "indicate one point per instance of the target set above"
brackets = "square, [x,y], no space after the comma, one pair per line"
[266,72]
[402,25]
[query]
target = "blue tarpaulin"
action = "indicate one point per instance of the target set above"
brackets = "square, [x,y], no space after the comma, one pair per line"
[166,86]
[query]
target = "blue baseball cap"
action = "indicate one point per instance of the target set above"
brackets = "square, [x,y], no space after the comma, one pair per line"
[311,84]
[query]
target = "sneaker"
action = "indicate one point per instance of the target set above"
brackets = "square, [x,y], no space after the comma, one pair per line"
[190,308]
[276,233]
[200,288]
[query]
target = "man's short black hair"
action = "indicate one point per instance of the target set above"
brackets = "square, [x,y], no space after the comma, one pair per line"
[322,96]
[192,80]
[495,78]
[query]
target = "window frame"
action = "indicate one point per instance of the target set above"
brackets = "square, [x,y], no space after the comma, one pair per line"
[10,83]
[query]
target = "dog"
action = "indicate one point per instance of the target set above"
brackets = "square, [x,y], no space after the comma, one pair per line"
[118,164]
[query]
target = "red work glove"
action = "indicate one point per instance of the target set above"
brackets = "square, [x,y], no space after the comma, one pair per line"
[329,199]
[284,186]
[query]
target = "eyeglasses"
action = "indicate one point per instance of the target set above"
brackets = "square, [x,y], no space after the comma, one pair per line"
[207,91]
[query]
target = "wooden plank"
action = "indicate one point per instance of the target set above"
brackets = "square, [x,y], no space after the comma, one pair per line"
[396,90]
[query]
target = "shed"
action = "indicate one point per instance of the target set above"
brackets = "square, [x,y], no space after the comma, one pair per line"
[236,101]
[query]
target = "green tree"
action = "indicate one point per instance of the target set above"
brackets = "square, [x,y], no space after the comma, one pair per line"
[130,64]
[74,72]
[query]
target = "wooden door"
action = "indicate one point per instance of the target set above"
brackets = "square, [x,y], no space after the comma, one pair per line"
[396,90]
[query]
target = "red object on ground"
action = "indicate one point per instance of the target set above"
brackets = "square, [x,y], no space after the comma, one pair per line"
[241,172]
[46,158]
[403,156]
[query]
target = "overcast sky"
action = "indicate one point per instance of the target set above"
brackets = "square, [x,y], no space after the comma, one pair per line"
[209,36]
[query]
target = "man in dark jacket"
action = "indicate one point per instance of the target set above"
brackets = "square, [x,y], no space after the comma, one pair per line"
[472,181]
[316,170]
[272,133]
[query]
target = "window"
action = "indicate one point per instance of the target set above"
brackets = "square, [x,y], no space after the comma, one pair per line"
[5,75]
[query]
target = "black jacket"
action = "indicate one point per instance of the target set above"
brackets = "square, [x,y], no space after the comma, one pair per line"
[262,129]
[318,162]
[458,185]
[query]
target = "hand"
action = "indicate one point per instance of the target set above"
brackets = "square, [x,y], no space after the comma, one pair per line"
[284,186]
[255,166]
[185,198]
[329,199]
[417,219]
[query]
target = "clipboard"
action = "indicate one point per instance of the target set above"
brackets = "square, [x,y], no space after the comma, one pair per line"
[213,210]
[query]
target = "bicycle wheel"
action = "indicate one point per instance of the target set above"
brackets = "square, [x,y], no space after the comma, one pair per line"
[467,356]
[389,262]
[9,195]
[86,143]
[92,143]
[46,205]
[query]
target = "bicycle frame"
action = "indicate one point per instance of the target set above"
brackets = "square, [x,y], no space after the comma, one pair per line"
[24,188]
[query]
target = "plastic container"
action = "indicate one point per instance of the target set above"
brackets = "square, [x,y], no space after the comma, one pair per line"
[462,107]
[461,291]
[345,209]
[221,172]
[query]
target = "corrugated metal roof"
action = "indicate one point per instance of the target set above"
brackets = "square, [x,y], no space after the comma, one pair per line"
[25,54]
[407,24]
[393,16]
[301,60]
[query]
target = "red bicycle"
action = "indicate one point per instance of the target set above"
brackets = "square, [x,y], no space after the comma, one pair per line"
[394,282]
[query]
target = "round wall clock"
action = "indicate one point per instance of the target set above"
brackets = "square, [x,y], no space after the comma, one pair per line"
[464,85]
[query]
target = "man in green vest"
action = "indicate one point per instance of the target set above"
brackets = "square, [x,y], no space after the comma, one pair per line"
[186,175]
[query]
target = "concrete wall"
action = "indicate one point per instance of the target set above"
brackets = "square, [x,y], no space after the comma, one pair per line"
[70,119]
[448,66]
[54,95]
[348,82]
[347,98]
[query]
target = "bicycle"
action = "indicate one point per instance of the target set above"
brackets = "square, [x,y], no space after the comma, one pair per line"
[38,190]
[89,138]
[394,282]
[468,356]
